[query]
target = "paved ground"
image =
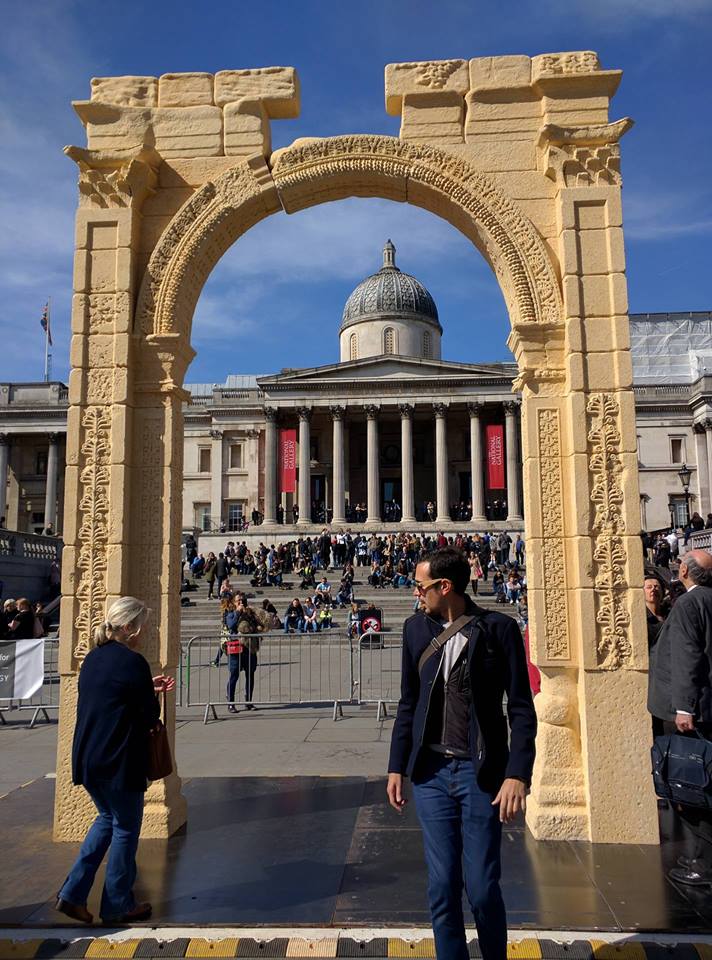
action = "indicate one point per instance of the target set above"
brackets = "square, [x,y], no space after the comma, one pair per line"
[297,742]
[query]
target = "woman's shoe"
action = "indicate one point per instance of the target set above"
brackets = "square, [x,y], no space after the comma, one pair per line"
[73,910]
[232,708]
[142,911]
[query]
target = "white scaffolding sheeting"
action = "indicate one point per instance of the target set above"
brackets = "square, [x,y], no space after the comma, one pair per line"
[670,347]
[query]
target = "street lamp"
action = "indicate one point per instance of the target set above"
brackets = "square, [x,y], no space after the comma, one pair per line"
[684,473]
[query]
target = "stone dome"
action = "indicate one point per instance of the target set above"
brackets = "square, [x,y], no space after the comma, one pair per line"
[390,293]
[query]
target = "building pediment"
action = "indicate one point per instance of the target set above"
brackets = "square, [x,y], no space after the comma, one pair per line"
[387,368]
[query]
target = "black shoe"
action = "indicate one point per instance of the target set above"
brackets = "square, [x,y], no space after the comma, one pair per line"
[691,877]
[232,708]
[250,706]
[685,862]
[73,910]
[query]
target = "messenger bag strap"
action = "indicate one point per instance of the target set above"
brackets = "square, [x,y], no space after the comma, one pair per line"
[437,643]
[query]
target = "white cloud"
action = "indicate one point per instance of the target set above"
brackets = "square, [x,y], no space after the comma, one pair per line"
[657,215]
[608,14]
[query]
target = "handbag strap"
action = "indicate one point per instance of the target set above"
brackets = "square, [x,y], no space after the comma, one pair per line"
[437,643]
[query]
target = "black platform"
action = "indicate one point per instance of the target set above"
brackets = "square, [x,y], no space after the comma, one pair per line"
[329,851]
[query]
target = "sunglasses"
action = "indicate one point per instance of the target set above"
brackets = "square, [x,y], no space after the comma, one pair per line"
[424,587]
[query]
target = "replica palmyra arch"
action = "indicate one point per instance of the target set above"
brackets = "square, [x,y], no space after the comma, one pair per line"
[519,155]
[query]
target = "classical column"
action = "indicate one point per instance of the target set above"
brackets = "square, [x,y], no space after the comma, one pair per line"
[373,474]
[707,424]
[270,511]
[4,460]
[304,503]
[441,464]
[514,508]
[408,496]
[478,490]
[216,478]
[338,502]
[50,514]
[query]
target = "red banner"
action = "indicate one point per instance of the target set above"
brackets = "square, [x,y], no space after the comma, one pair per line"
[495,457]
[288,461]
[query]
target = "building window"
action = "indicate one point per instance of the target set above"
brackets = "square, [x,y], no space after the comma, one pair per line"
[236,456]
[204,460]
[41,464]
[638,448]
[677,450]
[235,513]
[427,345]
[678,510]
[314,448]
[389,340]
[353,347]
[202,516]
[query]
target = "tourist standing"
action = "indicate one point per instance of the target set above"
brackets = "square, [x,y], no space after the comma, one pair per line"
[680,695]
[475,572]
[451,739]
[116,711]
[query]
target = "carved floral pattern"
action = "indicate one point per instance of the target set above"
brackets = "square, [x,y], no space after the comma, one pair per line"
[93,529]
[609,554]
[436,73]
[559,64]
[552,512]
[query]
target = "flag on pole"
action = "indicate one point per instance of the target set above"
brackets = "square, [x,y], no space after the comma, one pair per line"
[45,323]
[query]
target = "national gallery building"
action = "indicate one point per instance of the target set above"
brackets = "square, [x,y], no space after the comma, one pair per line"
[390,434]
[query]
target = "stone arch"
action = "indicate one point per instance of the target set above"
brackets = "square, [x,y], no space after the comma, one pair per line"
[332,169]
[565,290]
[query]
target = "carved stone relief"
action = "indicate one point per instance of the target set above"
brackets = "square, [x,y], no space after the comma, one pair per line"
[604,440]
[552,514]
[94,477]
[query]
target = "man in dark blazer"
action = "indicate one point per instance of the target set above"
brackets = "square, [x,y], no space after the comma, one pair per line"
[680,695]
[450,737]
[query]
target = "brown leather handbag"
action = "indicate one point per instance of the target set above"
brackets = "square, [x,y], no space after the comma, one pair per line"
[160,761]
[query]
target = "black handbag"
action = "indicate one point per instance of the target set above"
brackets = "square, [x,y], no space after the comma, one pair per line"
[160,761]
[682,769]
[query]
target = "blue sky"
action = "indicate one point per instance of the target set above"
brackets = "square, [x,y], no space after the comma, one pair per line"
[276,297]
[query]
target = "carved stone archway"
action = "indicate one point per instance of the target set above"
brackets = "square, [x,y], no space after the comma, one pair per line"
[545,212]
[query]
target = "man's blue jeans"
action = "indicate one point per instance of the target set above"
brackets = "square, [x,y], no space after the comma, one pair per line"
[460,826]
[116,829]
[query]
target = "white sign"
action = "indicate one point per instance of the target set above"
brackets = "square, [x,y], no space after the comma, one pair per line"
[21,668]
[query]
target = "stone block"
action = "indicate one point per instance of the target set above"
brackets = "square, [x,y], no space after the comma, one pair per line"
[596,296]
[114,128]
[578,509]
[437,76]
[192,171]
[188,131]
[500,73]
[597,334]
[590,208]
[276,87]
[593,251]
[526,106]
[166,202]
[564,64]
[492,154]
[102,229]
[247,129]
[529,185]
[432,117]
[125,91]
[185,90]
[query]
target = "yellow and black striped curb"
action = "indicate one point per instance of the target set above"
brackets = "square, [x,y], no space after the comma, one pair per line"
[202,948]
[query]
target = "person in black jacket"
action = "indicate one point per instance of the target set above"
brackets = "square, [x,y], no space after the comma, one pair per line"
[450,738]
[680,697]
[116,710]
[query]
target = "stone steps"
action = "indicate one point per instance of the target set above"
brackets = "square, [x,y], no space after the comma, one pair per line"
[203,618]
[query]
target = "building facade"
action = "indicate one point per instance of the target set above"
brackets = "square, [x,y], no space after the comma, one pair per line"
[390,433]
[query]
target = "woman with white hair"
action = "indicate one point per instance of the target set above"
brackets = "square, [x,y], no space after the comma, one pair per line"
[116,710]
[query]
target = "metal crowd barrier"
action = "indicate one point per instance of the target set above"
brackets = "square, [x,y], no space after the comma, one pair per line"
[379,671]
[290,669]
[47,697]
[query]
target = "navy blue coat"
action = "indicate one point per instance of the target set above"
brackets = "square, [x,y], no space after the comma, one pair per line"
[498,665]
[117,707]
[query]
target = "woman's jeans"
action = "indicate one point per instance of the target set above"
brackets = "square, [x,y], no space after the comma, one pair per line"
[293,625]
[115,829]
[237,662]
[461,827]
